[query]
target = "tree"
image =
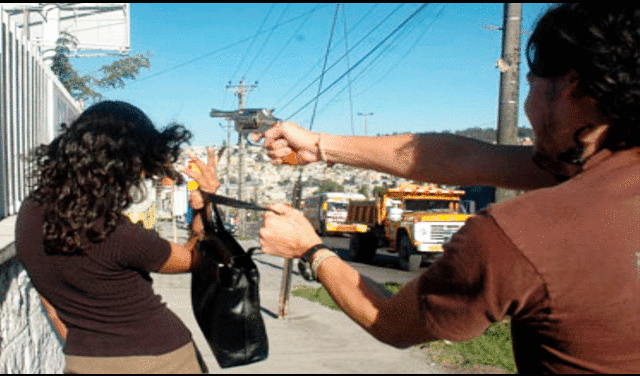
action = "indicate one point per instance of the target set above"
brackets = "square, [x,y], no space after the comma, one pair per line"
[363,191]
[83,87]
[379,191]
[329,186]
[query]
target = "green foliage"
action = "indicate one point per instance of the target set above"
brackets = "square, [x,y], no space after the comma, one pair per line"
[321,295]
[329,186]
[363,191]
[379,191]
[78,87]
[123,69]
[83,87]
[492,348]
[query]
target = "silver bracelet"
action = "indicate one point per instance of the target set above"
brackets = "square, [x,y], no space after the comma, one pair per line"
[323,156]
[315,265]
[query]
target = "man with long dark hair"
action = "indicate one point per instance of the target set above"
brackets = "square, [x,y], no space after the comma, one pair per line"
[563,261]
[87,260]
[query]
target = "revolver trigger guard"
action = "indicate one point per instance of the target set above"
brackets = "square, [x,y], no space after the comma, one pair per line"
[248,138]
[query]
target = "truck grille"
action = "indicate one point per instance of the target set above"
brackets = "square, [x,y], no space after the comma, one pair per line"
[442,233]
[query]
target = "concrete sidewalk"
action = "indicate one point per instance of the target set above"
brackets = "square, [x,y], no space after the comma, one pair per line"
[311,339]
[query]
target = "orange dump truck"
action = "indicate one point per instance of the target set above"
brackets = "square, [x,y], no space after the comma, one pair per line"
[412,220]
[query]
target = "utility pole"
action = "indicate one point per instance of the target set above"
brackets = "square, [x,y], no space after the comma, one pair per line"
[227,145]
[241,91]
[365,120]
[509,66]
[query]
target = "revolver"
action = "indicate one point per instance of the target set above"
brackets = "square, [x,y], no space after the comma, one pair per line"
[253,120]
[249,120]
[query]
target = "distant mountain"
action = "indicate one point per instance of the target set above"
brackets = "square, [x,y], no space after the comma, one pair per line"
[488,134]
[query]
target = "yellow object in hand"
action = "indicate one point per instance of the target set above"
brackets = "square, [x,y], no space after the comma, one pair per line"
[193,185]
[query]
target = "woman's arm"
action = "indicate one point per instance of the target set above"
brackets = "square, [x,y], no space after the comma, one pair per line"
[55,320]
[183,257]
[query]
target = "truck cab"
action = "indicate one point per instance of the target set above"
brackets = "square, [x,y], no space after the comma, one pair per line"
[413,221]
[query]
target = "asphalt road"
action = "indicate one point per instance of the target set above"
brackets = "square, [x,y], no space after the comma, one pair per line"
[384,268]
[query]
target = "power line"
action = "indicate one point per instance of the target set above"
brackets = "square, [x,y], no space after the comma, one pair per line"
[409,51]
[342,57]
[319,60]
[295,33]
[346,47]
[252,42]
[367,69]
[180,65]
[267,40]
[363,58]
[324,65]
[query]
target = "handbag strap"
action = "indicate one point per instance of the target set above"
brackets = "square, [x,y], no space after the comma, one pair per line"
[216,225]
[218,218]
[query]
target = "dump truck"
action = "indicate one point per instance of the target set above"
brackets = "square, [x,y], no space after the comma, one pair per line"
[411,220]
[327,212]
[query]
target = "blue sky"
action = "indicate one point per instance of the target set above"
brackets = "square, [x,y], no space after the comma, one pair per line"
[438,75]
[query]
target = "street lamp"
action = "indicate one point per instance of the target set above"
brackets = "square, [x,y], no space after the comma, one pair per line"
[365,120]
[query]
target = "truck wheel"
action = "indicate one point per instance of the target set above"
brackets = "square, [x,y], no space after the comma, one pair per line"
[407,254]
[362,247]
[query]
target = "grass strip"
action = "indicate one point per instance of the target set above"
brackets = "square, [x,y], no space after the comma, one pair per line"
[492,348]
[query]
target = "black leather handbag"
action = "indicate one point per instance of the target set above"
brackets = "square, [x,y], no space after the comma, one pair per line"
[225,297]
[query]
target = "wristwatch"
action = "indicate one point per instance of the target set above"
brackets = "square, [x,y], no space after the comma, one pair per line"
[304,264]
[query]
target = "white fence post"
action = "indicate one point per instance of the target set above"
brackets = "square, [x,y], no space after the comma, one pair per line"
[32,106]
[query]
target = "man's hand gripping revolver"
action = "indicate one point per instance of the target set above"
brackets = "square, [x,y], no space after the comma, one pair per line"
[253,120]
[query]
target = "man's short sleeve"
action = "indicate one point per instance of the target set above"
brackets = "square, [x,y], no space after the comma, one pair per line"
[140,248]
[480,278]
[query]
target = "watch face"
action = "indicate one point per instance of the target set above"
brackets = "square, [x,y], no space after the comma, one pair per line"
[305,270]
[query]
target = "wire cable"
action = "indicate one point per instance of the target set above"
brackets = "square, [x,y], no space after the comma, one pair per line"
[363,58]
[304,76]
[383,76]
[286,8]
[367,69]
[337,61]
[264,20]
[231,45]
[324,65]
[346,47]
[295,33]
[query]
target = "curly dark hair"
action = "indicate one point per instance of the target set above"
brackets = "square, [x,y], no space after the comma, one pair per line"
[94,169]
[601,43]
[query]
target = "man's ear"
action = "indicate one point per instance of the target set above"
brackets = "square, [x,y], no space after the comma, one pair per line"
[570,86]
[593,137]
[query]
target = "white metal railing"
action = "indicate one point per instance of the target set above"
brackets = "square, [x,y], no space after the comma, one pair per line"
[32,106]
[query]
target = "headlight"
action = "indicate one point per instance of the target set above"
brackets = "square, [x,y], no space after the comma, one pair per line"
[422,232]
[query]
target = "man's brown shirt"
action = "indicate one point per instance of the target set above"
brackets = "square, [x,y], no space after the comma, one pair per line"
[562,262]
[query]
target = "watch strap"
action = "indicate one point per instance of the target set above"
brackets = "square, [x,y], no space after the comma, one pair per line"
[306,257]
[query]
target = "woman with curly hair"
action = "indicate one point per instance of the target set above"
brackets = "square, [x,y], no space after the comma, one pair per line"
[88,261]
